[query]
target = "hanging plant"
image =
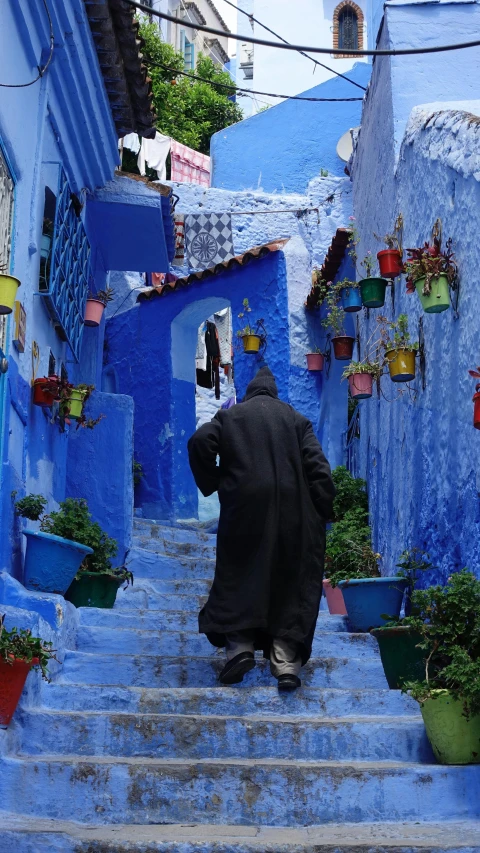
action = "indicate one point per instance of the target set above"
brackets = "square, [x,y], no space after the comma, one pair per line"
[350,295]
[315,360]
[335,321]
[390,259]
[476,398]
[72,402]
[432,273]
[96,304]
[400,351]
[372,287]
[253,336]
[361,376]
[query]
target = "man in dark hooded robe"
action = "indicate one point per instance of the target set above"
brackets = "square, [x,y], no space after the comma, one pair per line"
[276,494]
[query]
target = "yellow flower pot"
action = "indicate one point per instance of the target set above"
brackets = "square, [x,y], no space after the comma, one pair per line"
[8,291]
[401,364]
[251,343]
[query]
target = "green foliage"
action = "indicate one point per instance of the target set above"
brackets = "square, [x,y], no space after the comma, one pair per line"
[31,507]
[335,317]
[412,563]
[448,619]
[137,469]
[350,493]
[188,110]
[349,552]
[394,334]
[21,645]
[372,367]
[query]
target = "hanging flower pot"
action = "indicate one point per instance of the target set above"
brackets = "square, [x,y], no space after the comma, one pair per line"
[476,410]
[402,660]
[45,391]
[438,299]
[93,589]
[251,343]
[12,682]
[343,347]
[401,364]
[454,738]
[373,292]
[360,385]
[75,403]
[315,361]
[351,299]
[390,262]
[8,291]
[368,600]
[93,312]
[335,601]
[51,562]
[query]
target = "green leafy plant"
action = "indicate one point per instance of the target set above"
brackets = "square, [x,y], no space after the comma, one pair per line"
[394,334]
[21,645]
[315,351]
[257,329]
[375,368]
[369,264]
[335,316]
[137,469]
[31,506]
[349,553]
[65,389]
[430,262]
[104,296]
[350,493]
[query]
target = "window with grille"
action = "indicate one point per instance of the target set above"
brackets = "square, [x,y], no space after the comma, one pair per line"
[6,218]
[69,269]
[348,29]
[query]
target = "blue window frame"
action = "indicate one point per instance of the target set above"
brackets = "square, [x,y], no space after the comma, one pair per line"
[188,49]
[70,273]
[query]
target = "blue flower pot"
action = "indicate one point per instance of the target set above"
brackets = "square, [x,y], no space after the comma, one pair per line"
[351,299]
[367,600]
[51,562]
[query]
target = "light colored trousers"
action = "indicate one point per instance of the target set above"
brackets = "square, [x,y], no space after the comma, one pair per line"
[284,655]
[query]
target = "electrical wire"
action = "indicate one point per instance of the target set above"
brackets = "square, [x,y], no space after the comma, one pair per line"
[41,71]
[301,52]
[238,89]
[404,51]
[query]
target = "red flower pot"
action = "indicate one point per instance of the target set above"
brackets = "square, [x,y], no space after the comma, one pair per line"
[360,385]
[93,312]
[43,393]
[314,361]
[334,596]
[476,410]
[390,261]
[343,347]
[12,682]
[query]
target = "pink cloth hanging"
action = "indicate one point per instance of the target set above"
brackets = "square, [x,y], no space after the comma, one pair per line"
[189,166]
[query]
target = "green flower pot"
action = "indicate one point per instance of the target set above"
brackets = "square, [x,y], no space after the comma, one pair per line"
[93,590]
[454,739]
[401,660]
[439,298]
[75,403]
[373,292]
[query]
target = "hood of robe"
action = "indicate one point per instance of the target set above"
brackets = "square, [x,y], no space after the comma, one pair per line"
[264,383]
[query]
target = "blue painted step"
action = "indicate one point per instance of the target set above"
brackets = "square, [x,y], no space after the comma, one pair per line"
[147,564]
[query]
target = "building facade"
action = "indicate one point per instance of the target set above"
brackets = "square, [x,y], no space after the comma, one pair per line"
[185,38]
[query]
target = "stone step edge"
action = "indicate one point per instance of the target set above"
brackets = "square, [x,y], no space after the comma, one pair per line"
[392,719]
[355,635]
[247,763]
[356,838]
[215,656]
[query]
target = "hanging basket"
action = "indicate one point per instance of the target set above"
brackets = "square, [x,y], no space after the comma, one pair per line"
[351,299]
[401,364]
[315,361]
[8,291]
[438,299]
[43,391]
[390,262]
[75,403]
[373,292]
[361,385]
[251,343]
[94,312]
[343,347]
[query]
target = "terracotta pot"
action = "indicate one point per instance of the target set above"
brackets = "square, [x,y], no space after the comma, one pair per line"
[343,347]
[12,682]
[476,410]
[315,361]
[361,385]
[8,291]
[93,312]
[335,601]
[390,261]
[401,364]
[251,343]
[42,391]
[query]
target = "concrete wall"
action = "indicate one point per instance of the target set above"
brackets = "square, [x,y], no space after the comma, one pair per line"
[284,148]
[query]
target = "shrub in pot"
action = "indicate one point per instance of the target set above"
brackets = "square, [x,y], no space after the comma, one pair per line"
[96,304]
[432,273]
[361,376]
[372,287]
[448,620]
[390,259]
[72,402]
[253,336]
[400,351]
[315,360]
[334,321]
[19,653]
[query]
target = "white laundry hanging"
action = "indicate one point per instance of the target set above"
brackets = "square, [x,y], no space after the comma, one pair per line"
[154,153]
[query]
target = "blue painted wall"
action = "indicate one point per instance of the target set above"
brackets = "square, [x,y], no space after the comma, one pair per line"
[283,148]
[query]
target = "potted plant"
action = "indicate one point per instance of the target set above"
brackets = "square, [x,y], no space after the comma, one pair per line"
[315,360]
[46,390]
[8,290]
[431,273]
[351,297]
[361,375]
[72,401]
[400,351]
[96,304]
[19,653]
[476,398]
[390,259]
[334,320]
[372,287]
[448,619]
[402,657]
[253,336]
[51,559]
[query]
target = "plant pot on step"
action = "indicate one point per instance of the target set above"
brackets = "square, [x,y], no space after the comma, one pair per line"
[390,262]
[251,343]
[343,347]
[351,299]
[94,312]
[12,681]
[366,599]
[334,596]
[8,292]
[402,660]
[51,562]
[361,385]
[93,589]
[373,292]
[43,391]
[401,364]
[75,403]
[315,361]
[438,299]
[453,738]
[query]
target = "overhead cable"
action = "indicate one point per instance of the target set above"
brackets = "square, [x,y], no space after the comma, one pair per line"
[404,51]
[41,71]
[233,87]
[301,52]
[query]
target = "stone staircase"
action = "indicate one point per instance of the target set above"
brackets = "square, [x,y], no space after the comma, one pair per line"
[135,747]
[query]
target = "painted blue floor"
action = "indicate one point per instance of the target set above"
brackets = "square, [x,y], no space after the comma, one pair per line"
[135,747]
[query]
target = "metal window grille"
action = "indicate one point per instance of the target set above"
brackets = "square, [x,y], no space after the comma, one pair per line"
[348,29]
[69,270]
[6,218]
